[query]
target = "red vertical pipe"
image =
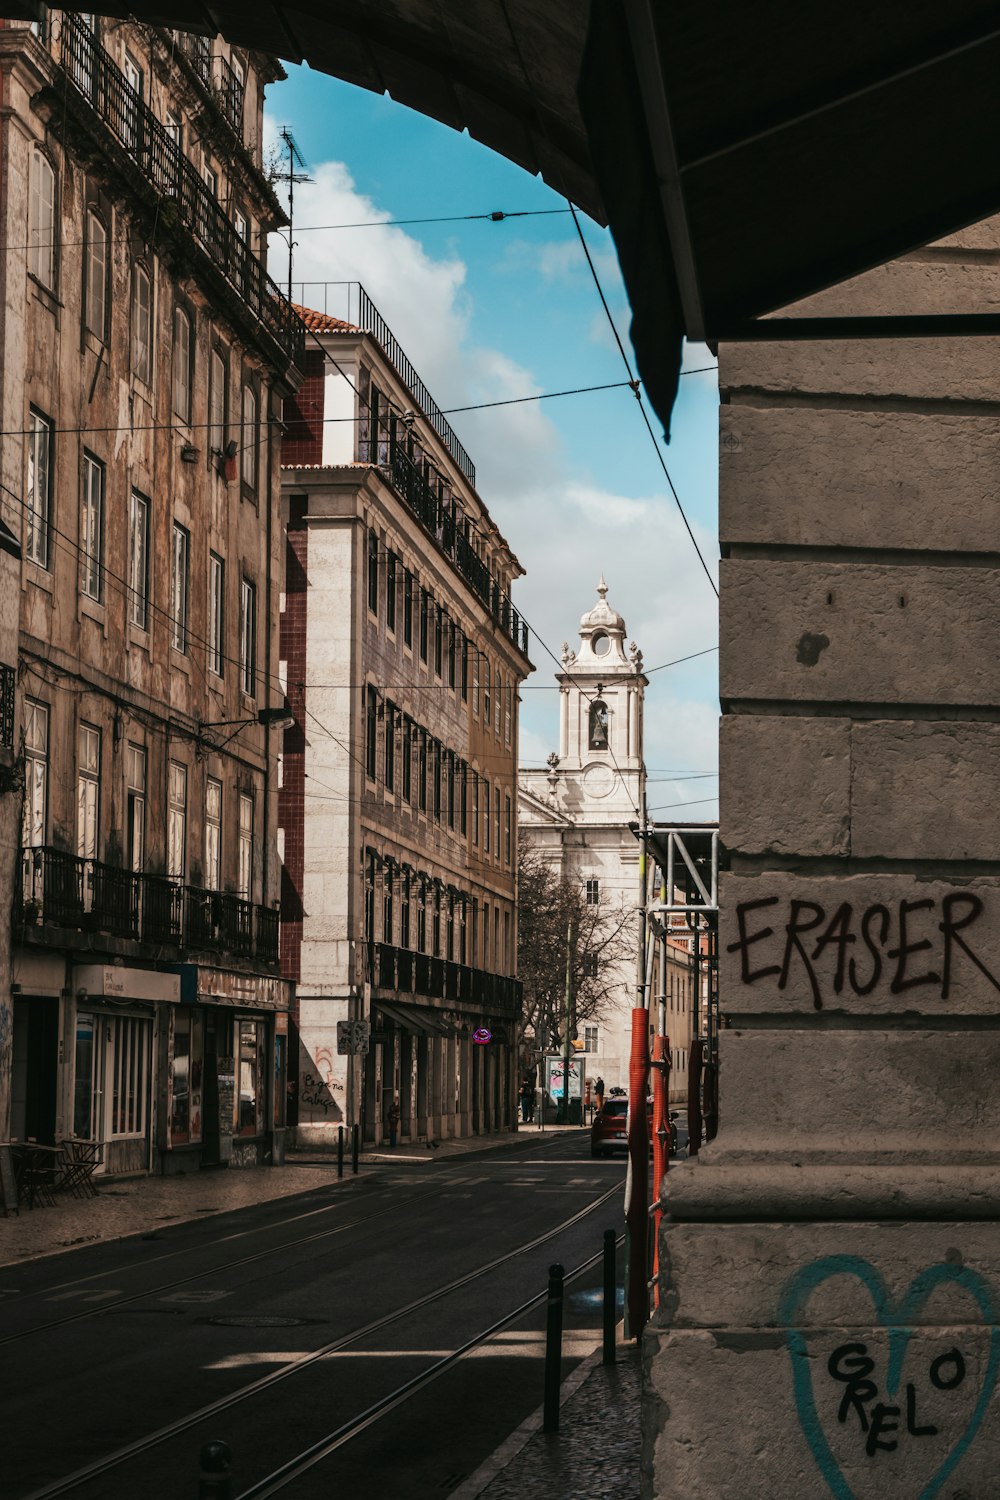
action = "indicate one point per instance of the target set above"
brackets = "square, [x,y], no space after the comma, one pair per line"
[661,1144]
[637,1211]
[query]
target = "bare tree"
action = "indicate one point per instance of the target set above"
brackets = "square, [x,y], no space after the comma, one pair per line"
[554,917]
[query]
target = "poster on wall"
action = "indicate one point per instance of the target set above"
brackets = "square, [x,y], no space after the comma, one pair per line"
[555,1079]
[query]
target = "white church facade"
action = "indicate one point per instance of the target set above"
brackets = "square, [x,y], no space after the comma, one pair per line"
[580,812]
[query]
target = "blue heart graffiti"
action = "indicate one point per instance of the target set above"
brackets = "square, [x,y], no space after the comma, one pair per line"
[897,1320]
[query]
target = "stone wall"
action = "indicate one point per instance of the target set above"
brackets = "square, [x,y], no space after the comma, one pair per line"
[828,1322]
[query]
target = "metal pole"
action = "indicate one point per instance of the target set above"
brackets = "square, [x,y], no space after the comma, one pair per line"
[215,1461]
[553,1348]
[569,1022]
[637,1180]
[340,1152]
[610,1299]
[354,1147]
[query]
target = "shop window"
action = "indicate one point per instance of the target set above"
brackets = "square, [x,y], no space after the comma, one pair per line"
[251,1101]
[186,1071]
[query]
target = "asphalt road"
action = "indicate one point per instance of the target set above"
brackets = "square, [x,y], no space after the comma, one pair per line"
[108,1346]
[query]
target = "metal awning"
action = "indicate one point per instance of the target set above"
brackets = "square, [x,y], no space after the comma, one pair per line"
[745,156]
[419,1018]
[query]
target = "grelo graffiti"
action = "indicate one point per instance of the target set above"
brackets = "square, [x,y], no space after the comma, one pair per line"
[875,1415]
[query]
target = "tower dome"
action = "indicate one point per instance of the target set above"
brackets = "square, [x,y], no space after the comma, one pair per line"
[602,632]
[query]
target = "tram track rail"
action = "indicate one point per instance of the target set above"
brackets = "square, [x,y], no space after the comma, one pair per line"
[116,1459]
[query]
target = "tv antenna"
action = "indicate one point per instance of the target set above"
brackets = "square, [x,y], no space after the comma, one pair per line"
[295,158]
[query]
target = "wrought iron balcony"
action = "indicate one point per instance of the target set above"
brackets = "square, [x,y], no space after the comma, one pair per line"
[64,890]
[416,491]
[406,973]
[187,200]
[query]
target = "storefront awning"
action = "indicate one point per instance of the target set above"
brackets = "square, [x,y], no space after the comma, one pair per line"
[419,1018]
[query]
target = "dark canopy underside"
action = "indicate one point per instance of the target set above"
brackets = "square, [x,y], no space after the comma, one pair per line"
[744,155]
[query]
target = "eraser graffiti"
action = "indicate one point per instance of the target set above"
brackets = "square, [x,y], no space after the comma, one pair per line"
[907,946]
[916,1404]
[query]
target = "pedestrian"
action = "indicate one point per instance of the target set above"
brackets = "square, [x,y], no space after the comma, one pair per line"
[599,1091]
[392,1120]
[524,1095]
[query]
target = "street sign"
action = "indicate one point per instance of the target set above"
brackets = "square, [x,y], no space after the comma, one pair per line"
[353,1037]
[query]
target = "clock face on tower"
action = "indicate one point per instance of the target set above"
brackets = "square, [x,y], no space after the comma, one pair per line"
[598,781]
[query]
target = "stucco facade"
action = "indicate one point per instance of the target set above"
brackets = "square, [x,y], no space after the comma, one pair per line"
[403,657]
[146,357]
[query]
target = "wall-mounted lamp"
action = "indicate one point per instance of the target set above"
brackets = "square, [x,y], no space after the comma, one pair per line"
[230,467]
[189,454]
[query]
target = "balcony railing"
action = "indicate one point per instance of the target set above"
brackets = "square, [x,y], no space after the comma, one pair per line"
[413,487]
[230,94]
[406,973]
[66,890]
[189,201]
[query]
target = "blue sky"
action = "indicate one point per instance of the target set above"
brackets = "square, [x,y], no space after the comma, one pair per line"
[488,311]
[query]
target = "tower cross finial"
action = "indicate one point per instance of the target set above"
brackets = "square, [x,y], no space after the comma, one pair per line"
[602,587]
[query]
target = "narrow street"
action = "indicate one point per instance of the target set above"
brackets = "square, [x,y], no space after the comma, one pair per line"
[149,1348]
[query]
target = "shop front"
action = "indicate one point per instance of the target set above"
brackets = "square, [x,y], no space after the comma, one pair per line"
[224,1064]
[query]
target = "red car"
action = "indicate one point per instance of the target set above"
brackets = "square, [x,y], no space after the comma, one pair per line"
[609,1132]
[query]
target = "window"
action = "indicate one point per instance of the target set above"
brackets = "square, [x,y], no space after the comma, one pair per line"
[464,648]
[424,607]
[390,591]
[370,858]
[371,734]
[436,921]
[408,609]
[475,682]
[438,632]
[422,772]
[129,1056]
[487,705]
[248,638]
[216,613]
[593,893]
[373,570]
[92,528]
[211,178]
[464,795]
[39,491]
[387,903]
[142,325]
[486,816]
[497,700]
[246,846]
[407,752]
[422,916]
[217,402]
[390,747]
[180,576]
[506,829]
[182,364]
[88,789]
[96,277]
[496,823]
[450,788]
[186,1075]
[404,911]
[436,774]
[213,834]
[496,937]
[135,794]
[138,561]
[132,103]
[506,943]
[590,1039]
[508,710]
[250,1103]
[486,934]
[250,438]
[42,220]
[174,129]
[242,226]
[590,966]
[176,821]
[36,761]
[598,738]
[475,807]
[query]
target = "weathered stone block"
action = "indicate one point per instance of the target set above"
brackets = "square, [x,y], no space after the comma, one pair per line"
[821,478]
[785,784]
[860,632]
[862,944]
[866,1095]
[920,790]
[924,369]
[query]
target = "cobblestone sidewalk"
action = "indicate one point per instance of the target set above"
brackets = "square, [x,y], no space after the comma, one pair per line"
[127,1206]
[594,1453]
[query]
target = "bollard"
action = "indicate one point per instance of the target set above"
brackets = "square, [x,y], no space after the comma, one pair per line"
[553,1348]
[340,1152]
[354,1147]
[215,1460]
[610,1297]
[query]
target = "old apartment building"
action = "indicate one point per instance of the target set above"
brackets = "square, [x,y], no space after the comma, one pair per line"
[403,655]
[580,813]
[146,358]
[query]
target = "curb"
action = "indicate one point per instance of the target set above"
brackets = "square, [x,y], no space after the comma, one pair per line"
[473,1487]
